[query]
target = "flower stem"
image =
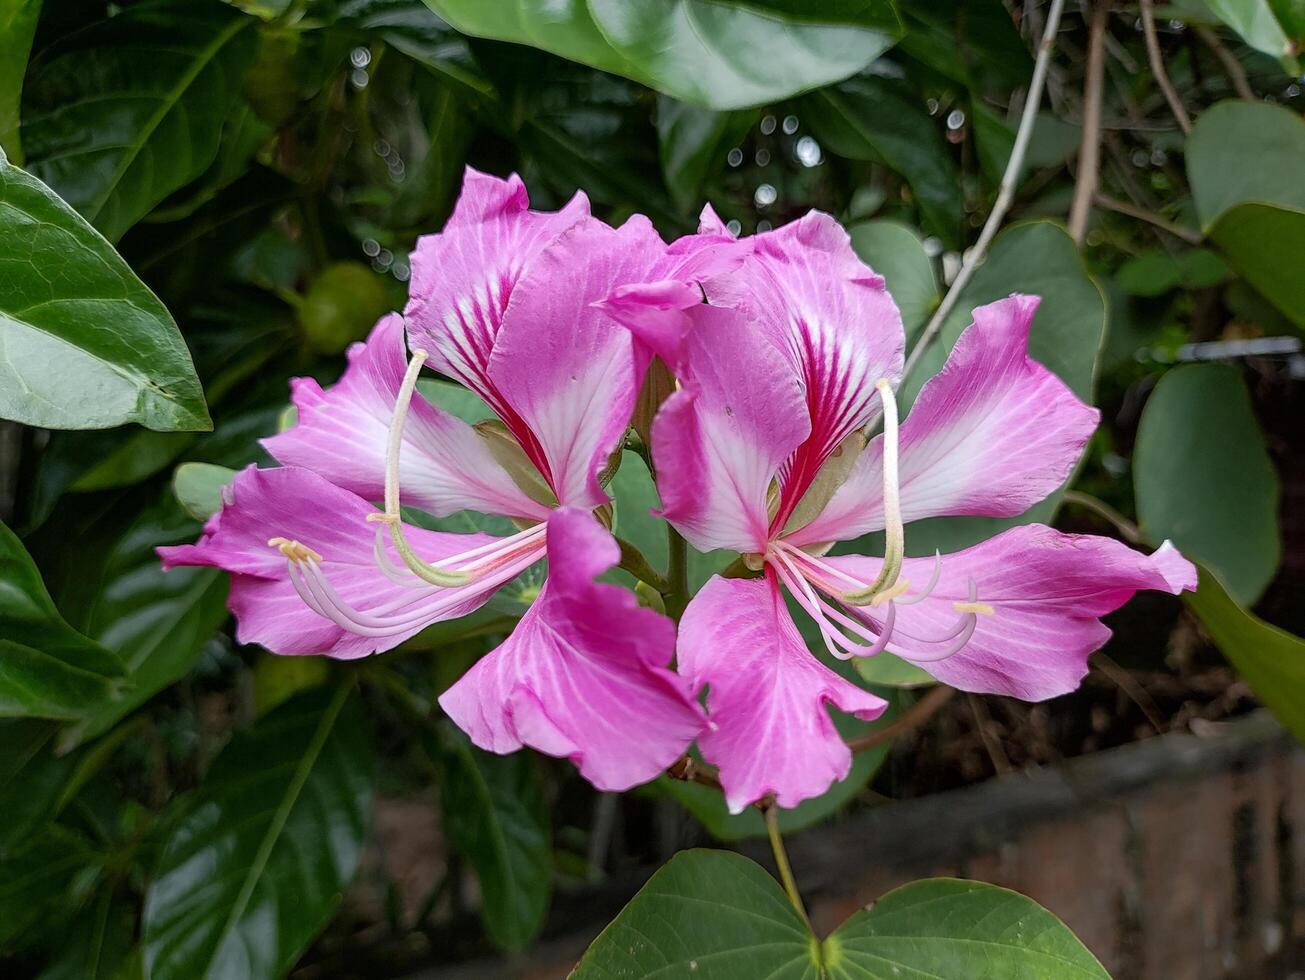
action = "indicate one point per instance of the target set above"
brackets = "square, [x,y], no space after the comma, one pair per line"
[634,562]
[677,573]
[781,862]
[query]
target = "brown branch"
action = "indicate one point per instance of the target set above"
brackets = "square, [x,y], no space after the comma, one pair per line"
[1089,150]
[1158,68]
[982,721]
[914,716]
[1231,66]
[1134,691]
[1150,217]
[689,770]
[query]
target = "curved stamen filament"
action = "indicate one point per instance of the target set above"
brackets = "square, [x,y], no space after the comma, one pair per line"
[836,643]
[894,532]
[423,570]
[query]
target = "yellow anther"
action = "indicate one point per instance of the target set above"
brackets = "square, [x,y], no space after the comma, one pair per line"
[891,593]
[293,550]
[379,518]
[981,608]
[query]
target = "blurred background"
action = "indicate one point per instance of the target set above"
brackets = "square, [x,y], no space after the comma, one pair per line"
[266,166]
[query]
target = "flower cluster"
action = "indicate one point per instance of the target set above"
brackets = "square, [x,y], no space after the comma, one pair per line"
[787,351]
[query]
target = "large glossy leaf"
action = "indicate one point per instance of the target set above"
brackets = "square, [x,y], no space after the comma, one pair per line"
[710,915]
[1203,477]
[40,884]
[944,927]
[896,252]
[122,113]
[83,343]
[496,817]
[31,779]
[97,944]
[720,55]
[47,668]
[1270,660]
[158,621]
[879,119]
[17,25]
[261,861]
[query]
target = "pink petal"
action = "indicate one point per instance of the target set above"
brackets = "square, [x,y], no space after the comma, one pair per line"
[1047,590]
[720,440]
[842,331]
[770,728]
[564,366]
[991,434]
[298,504]
[341,433]
[463,277]
[584,675]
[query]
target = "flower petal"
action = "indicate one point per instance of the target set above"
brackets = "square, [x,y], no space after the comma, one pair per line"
[770,728]
[463,277]
[564,366]
[1047,591]
[842,330]
[720,440]
[991,434]
[342,433]
[297,504]
[584,674]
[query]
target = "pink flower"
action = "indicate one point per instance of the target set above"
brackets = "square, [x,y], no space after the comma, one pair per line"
[795,350]
[503,300]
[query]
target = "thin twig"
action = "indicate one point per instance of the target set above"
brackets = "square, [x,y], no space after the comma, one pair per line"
[781,862]
[634,562]
[913,717]
[1089,149]
[1126,528]
[1150,217]
[688,770]
[1005,193]
[1231,66]
[982,721]
[1132,689]
[1158,68]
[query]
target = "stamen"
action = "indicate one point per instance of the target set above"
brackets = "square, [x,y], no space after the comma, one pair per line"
[979,608]
[933,583]
[423,570]
[837,644]
[894,532]
[293,550]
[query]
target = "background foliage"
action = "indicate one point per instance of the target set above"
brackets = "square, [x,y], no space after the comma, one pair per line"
[201,199]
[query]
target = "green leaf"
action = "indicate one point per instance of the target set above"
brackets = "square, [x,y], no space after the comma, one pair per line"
[693,145]
[1256,214]
[43,882]
[879,119]
[122,113]
[17,26]
[496,817]
[198,488]
[256,868]
[896,252]
[158,621]
[1266,244]
[702,51]
[97,945]
[943,927]
[47,668]
[1270,660]
[83,343]
[32,779]
[886,670]
[708,804]
[1254,20]
[1203,477]
[711,915]
[1156,272]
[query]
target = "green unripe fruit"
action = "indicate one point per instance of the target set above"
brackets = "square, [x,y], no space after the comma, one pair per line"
[340,306]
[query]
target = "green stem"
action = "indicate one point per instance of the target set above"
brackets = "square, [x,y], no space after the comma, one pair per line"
[677,574]
[634,562]
[781,862]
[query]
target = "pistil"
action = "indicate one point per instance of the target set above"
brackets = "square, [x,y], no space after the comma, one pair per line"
[894,532]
